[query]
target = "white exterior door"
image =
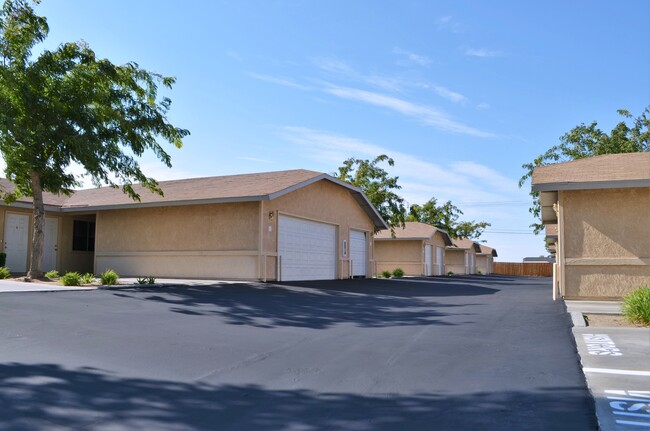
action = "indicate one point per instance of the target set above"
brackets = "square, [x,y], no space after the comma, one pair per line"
[306,250]
[16,241]
[466,263]
[440,260]
[472,264]
[358,253]
[50,244]
[428,260]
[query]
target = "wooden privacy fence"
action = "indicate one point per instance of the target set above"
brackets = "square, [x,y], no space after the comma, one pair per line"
[527,269]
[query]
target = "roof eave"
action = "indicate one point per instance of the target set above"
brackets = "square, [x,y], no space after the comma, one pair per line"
[590,185]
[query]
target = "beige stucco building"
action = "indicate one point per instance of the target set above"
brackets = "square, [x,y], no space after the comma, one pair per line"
[485,260]
[288,225]
[461,256]
[601,206]
[418,249]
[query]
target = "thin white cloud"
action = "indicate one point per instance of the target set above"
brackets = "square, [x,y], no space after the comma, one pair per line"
[426,114]
[333,65]
[420,179]
[452,96]
[278,81]
[483,52]
[409,57]
[448,23]
[483,105]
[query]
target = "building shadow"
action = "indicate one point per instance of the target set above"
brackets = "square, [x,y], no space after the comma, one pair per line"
[308,306]
[46,397]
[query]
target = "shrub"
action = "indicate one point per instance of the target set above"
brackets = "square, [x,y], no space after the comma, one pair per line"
[4,272]
[386,274]
[449,274]
[52,274]
[146,280]
[398,272]
[88,278]
[478,271]
[636,306]
[109,277]
[71,279]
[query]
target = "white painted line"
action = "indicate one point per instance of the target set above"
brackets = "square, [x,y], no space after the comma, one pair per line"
[636,415]
[640,424]
[614,371]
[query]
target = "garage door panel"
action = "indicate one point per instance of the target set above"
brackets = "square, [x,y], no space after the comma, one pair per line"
[358,252]
[307,249]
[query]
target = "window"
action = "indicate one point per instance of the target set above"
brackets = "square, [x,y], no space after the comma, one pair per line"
[83,236]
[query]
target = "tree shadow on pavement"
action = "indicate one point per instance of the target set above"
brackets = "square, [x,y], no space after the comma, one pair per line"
[312,306]
[46,396]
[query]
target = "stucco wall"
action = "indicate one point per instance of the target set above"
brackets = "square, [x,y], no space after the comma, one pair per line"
[603,282]
[322,201]
[455,261]
[404,254]
[606,241]
[483,263]
[204,241]
[408,255]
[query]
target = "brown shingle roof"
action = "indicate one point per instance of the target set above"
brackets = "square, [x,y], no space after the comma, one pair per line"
[606,171]
[488,250]
[465,244]
[230,188]
[48,198]
[415,231]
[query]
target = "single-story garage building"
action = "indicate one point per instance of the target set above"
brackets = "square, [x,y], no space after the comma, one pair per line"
[417,248]
[461,256]
[485,259]
[601,206]
[287,225]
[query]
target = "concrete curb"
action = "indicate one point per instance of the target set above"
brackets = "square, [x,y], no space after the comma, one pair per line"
[578,319]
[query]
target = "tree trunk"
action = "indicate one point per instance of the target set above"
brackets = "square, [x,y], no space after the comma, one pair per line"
[35,263]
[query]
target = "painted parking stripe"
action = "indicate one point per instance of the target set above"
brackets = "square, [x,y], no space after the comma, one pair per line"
[615,371]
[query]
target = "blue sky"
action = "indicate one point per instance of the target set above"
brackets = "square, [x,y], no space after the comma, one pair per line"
[459,93]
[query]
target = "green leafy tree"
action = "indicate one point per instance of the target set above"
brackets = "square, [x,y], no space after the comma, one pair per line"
[378,186]
[446,217]
[67,106]
[588,141]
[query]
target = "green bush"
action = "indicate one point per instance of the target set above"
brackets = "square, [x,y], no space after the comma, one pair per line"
[88,278]
[109,277]
[4,272]
[71,279]
[398,272]
[386,274]
[636,306]
[449,274]
[52,274]
[146,280]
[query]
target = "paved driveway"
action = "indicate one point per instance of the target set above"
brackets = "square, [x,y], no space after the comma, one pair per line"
[459,353]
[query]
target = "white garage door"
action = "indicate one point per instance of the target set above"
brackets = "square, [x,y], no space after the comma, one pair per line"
[428,260]
[358,252]
[307,249]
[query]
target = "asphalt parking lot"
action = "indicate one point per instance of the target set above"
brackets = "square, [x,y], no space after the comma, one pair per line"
[457,353]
